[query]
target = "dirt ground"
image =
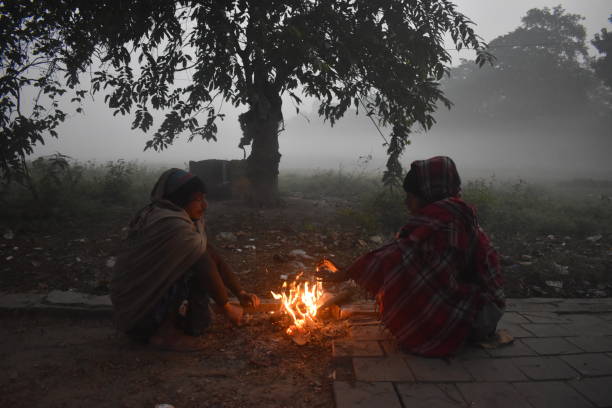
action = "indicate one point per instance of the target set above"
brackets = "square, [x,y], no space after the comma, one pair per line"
[77,255]
[56,361]
[50,361]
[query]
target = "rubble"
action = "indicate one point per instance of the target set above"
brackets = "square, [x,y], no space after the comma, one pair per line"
[226,236]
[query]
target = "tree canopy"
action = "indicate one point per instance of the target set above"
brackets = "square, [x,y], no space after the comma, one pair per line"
[384,57]
[541,71]
[603,64]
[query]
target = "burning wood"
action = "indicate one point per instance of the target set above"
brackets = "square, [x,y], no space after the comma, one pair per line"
[302,300]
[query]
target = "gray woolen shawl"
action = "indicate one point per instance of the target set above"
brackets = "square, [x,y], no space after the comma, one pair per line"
[162,244]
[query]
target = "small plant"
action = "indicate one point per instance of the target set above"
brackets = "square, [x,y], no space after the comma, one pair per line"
[117,182]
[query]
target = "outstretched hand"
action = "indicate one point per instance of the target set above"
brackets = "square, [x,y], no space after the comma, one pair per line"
[328,271]
[248,299]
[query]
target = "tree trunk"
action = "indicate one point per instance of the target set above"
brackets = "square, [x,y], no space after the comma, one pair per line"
[260,126]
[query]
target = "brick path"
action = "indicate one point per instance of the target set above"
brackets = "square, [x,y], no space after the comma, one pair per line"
[561,357]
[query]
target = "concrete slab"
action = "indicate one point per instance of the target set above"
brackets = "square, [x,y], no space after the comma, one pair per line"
[471,353]
[356,348]
[68,298]
[365,395]
[516,349]
[597,390]
[549,330]
[381,369]
[592,344]
[370,332]
[437,370]
[430,396]
[494,370]
[551,394]
[545,368]
[590,365]
[391,348]
[552,345]
[14,301]
[545,317]
[513,317]
[516,330]
[498,395]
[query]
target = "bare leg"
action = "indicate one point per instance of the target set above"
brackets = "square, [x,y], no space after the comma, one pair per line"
[208,277]
[225,271]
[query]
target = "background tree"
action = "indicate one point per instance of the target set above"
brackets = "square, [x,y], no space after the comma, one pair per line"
[383,56]
[541,71]
[603,64]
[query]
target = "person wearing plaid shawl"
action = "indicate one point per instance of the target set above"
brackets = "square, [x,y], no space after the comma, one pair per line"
[438,283]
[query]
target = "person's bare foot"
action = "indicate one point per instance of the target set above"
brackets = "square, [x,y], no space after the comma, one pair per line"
[234,313]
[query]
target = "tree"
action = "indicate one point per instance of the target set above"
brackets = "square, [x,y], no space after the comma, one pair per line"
[541,70]
[603,65]
[382,56]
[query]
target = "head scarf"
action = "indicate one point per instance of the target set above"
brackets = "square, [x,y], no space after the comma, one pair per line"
[169,182]
[433,179]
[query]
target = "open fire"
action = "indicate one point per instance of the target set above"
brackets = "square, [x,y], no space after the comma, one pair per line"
[301,300]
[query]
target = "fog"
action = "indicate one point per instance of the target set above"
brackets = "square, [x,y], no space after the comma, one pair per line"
[545,150]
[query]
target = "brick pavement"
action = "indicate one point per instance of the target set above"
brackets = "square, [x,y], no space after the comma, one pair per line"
[561,357]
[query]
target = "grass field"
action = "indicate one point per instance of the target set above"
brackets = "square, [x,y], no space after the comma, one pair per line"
[61,188]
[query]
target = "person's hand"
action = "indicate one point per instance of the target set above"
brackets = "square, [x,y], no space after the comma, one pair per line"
[327,271]
[326,264]
[248,299]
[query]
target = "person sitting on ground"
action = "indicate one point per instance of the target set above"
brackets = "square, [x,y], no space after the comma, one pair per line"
[168,270]
[438,283]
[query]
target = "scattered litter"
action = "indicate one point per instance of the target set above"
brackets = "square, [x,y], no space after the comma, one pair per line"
[284,276]
[527,257]
[361,243]
[377,239]
[164,406]
[77,259]
[110,262]
[525,263]
[252,247]
[551,237]
[8,235]
[595,238]
[8,258]
[35,264]
[37,249]
[238,250]
[81,240]
[561,269]
[251,239]
[16,248]
[226,236]
[299,253]
[554,284]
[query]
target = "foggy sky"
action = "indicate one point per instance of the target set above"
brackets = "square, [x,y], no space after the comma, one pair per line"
[307,143]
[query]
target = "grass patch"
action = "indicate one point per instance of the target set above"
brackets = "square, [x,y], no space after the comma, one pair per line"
[60,189]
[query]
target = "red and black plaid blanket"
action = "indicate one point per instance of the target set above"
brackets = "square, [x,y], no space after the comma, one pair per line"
[434,278]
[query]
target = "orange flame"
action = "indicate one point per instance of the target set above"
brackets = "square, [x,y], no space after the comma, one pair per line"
[299,300]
